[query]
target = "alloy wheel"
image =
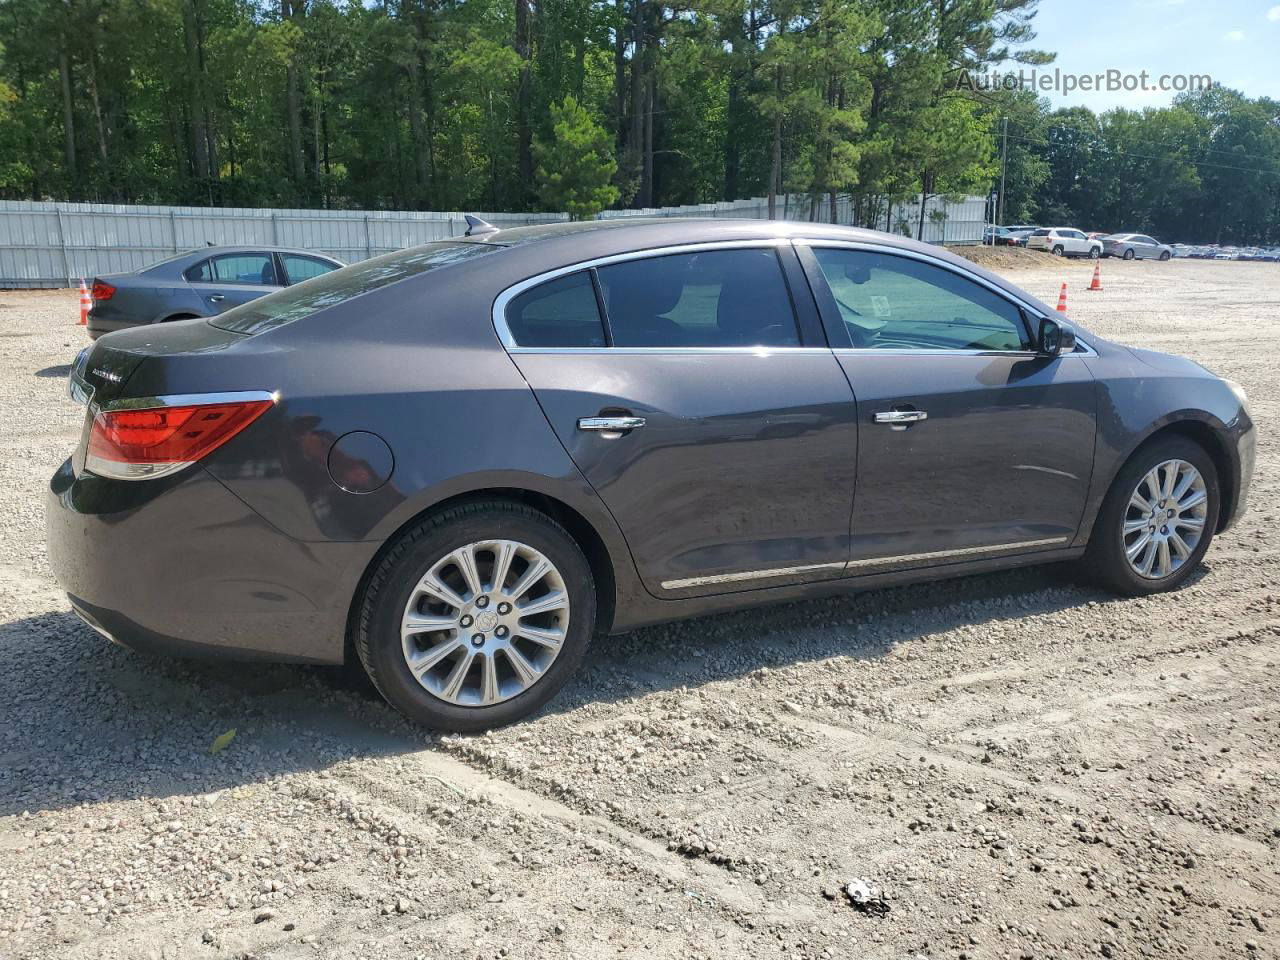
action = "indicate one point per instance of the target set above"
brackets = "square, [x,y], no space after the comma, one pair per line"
[1165,519]
[485,622]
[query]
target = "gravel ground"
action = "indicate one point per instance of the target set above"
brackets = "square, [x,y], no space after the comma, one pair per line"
[1021,765]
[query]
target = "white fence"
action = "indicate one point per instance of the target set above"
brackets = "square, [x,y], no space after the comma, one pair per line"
[54,244]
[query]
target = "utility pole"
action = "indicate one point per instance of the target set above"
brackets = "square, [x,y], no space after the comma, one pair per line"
[1004,163]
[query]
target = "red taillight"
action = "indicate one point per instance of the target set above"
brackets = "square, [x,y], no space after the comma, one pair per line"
[152,442]
[102,290]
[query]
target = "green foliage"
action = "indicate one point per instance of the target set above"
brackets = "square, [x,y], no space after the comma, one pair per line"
[439,104]
[575,165]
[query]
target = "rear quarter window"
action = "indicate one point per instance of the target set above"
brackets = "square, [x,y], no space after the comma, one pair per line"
[296,302]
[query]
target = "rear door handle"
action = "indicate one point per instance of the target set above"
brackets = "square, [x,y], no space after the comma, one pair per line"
[610,424]
[217,297]
[900,419]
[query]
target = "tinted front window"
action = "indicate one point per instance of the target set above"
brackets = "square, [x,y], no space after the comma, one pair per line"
[558,313]
[891,302]
[301,268]
[717,298]
[256,268]
[294,303]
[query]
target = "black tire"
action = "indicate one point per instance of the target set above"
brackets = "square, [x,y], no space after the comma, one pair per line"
[1058,251]
[1164,255]
[377,629]
[1129,254]
[1094,253]
[1105,558]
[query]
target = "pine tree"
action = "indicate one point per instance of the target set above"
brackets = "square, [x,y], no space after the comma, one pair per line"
[575,166]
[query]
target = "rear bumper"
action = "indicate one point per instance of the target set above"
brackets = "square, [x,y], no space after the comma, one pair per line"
[186,567]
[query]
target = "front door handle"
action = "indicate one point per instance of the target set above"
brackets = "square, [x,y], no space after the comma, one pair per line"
[217,297]
[610,424]
[900,419]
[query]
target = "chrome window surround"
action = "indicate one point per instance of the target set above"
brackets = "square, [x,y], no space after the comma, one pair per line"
[848,567]
[510,293]
[151,471]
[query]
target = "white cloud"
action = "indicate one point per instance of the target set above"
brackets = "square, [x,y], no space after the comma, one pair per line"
[1235,36]
[1274,14]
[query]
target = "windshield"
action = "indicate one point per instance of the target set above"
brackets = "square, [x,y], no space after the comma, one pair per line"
[330,289]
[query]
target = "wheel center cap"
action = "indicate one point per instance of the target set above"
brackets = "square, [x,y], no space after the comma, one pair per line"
[486,620]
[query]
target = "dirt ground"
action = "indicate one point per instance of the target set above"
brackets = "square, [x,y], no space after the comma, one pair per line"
[1024,765]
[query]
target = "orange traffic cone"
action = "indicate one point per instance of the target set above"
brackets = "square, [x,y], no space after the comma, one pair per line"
[1062,299]
[1097,278]
[85,303]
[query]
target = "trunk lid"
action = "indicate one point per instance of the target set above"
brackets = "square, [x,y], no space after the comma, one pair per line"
[102,371]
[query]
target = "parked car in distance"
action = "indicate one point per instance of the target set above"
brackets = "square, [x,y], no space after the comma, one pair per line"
[1016,237]
[200,283]
[459,462]
[992,234]
[1135,246]
[1064,242]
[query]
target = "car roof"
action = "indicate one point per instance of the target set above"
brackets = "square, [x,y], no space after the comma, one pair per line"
[565,244]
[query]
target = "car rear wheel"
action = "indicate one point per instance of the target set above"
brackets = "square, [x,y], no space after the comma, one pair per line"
[1129,254]
[477,616]
[1158,519]
[1058,251]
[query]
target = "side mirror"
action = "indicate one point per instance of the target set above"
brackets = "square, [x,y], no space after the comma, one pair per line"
[1056,337]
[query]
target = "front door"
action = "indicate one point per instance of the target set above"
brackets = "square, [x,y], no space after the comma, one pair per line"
[723,442]
[971,445]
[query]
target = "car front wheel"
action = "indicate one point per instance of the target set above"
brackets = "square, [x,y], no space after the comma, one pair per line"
[477,616]
[1164,255]
[1158,519]
[1094,253]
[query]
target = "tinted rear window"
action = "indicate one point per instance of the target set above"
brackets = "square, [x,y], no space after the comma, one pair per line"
[303,299]
[559,313]
[716,298]
[1039,233]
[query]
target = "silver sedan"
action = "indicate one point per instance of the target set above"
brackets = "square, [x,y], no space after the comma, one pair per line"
[1135,246]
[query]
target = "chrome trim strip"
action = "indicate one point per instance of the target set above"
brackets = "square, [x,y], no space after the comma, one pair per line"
[513,291]
[189,399]
[759,351]
[748,575]
[857,564]
[960,552]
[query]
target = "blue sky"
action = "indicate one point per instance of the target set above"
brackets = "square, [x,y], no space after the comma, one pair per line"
[1237,42]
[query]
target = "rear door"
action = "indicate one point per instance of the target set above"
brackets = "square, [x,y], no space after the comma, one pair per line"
[694,390]
[228,280]
[971,444]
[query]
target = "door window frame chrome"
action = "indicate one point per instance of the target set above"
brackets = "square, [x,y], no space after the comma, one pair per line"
[1031,314]
[504,298]
[503,331]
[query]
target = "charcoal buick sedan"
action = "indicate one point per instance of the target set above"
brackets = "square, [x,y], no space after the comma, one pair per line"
[459,462]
